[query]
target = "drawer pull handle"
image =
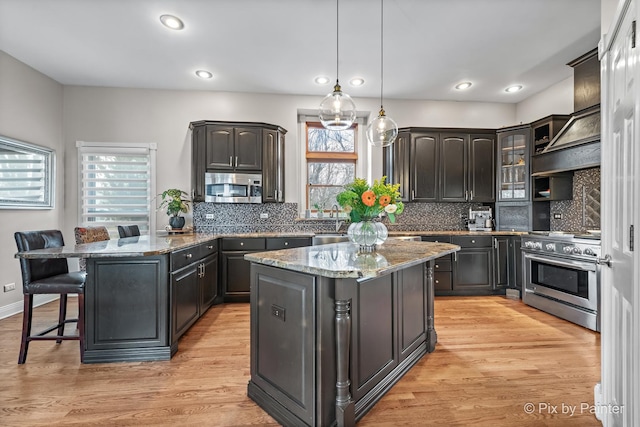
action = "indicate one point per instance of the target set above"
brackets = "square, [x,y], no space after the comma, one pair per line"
[188,256]
[209,247]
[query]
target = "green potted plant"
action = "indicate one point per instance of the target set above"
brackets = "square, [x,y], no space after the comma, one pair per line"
[176,201]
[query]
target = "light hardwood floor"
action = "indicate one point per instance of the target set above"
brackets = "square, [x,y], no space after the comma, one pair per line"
[494,355]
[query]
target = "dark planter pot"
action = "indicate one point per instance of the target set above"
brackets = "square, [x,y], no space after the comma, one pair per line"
[176,222]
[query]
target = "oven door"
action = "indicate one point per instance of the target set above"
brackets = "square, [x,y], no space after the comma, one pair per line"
[567,280]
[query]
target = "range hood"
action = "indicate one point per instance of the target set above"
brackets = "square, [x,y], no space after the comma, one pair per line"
[577,144]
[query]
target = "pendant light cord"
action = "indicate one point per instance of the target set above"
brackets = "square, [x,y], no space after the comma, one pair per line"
[381,50]
[337,39]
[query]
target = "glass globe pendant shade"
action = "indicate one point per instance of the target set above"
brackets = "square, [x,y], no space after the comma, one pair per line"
[382,131]
[337,110]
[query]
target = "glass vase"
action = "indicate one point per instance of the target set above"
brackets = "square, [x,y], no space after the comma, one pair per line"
[367,234]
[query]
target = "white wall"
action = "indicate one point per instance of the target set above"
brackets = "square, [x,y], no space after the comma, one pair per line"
[557,99]
[30,111]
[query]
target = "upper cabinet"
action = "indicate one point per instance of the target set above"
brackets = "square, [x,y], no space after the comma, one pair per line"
[434,165]
[241,147]
[513,163]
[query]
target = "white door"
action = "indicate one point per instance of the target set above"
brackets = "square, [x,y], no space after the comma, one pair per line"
[618,398]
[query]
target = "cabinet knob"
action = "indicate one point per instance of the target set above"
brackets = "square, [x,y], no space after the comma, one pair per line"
[241,243]
[437,266]
[437,281]
[473,241]
[188,256]
[286,243]
[209,247]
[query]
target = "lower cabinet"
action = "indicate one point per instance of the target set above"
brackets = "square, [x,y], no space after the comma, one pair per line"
[508,262]
[473,264]
[194,285]
[235,275]
[442,277]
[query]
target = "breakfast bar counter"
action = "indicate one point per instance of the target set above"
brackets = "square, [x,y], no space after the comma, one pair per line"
[332,329]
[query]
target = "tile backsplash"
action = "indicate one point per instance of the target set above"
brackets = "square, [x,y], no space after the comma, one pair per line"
[283,217]
[583,211]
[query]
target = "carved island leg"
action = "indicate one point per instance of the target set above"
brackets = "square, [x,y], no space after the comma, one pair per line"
[432,337]
[345,409]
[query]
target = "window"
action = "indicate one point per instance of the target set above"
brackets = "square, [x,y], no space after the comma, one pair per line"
[116,185]
[331,163]
[26,175]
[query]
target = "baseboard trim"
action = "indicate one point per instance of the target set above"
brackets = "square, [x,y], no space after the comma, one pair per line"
[16,307]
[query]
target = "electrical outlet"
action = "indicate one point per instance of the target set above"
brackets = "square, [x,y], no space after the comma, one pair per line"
[557,216]
[209,216]
[264,215]
[10,287]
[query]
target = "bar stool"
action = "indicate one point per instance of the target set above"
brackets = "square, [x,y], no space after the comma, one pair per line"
[48,276]
[128,230]
[89,235]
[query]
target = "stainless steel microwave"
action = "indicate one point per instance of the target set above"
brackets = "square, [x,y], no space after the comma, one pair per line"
[233,187]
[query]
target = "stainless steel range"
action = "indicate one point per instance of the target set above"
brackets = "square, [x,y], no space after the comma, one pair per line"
[562,275]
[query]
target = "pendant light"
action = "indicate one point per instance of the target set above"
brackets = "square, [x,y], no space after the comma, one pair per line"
[382,131]
[337,109]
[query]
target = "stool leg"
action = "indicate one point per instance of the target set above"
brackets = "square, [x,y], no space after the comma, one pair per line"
[26,327]
[81,325]
[62,316]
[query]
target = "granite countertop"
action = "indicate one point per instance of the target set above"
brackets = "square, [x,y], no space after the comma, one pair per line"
[126,247]
[342,260]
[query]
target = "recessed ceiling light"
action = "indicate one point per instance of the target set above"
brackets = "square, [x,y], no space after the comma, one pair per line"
[204,74]
[356,81]
[463,85]
[172,22]
[321,80]
[514,88]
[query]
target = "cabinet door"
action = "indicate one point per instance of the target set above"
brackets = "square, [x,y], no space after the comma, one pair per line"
[412,311]
[248,149]
[198,152]
[513,165]
[219,150]
[517,262]
[473,269]
[272,166]
[482,184]
[236,276]
[185,294]
[503,261]
[424,168]
[454,166]
[396,166]
[208,282]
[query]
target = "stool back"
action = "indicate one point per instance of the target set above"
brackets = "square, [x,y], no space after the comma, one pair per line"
[90,235]
[40,268]
[128,230]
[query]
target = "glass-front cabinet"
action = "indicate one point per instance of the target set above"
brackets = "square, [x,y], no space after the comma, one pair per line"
[513,164]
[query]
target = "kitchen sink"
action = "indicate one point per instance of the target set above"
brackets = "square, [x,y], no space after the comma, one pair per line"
[323,239]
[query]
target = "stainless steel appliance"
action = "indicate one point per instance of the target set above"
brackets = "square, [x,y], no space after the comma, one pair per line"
[480,219]
[562,276]
[233,187]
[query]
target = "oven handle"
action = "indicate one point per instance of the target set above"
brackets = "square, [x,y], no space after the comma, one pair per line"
[567,263]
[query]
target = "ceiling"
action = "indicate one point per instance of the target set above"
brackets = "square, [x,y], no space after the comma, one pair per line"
[280,46]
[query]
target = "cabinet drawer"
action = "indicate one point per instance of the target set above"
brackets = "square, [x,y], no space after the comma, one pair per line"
[439,239]
[442,281]
[472,241]
[442,264]
[184,257]
[208,248]
[239,244]
[287,242]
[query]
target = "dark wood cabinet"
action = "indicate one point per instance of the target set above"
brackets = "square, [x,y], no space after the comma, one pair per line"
[473,264]
[442,275]
[273,165]
[442,165]
[545,129]
[235,277]
[237,146]
[513,160]
[504,264]
[194,285]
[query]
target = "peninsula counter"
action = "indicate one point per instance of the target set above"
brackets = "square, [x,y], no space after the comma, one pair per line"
[332,329]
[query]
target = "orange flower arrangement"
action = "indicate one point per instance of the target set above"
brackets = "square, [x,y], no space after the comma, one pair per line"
[363,202]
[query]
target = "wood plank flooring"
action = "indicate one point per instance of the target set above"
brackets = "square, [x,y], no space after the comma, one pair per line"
[494,355]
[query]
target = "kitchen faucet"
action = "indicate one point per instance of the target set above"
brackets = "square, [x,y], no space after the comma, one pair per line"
[338,222]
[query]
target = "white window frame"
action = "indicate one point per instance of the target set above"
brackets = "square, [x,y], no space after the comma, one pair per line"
[119,148]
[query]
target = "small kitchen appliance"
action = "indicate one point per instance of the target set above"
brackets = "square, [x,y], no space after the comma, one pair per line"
[480,219]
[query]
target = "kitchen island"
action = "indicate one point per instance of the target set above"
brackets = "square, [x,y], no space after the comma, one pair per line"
[332,329]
